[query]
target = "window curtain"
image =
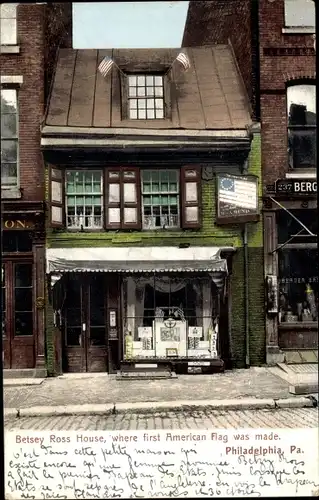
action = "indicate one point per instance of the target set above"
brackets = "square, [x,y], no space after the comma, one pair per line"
[136,298]
[199,303]
[207,307]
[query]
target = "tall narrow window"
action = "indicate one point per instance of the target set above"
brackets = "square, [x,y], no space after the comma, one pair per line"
[160,194]
[8,18]
[145,97]
[301,108]
[84,192]
[9,138]
[23,303]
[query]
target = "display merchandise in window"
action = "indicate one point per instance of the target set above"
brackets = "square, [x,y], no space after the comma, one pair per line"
[170,314]
[298,285]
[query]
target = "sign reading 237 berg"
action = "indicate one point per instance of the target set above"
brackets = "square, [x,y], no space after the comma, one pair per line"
[237,199]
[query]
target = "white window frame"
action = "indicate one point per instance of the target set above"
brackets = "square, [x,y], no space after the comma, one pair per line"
[147,222]
[298,26]
[8,14]
[79,219]
[14,185]
[145,96]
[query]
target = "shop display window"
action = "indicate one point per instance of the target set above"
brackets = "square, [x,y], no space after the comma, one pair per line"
[170,315]
[298,267]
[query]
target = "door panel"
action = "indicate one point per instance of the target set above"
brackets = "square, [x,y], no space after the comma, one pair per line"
[96,325]
[74,351]
[18,314]
[85,324]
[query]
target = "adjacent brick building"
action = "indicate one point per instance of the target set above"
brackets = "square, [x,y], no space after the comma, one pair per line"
[30,36]
[274,45]
[140,270]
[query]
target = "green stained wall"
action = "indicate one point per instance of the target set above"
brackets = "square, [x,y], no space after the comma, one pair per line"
[212,235]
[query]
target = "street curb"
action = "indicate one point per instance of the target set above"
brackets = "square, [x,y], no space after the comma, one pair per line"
[151,407]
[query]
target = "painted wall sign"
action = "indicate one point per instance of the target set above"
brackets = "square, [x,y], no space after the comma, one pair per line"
[296,186]
[237,198]
[17,224]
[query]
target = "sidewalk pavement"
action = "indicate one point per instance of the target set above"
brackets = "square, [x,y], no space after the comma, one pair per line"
[101,393]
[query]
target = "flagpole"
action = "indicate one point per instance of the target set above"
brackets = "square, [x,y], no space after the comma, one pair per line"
[124,74]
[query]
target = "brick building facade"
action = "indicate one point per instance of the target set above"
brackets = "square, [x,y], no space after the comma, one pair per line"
[30,36]
[142,256]
[274,46]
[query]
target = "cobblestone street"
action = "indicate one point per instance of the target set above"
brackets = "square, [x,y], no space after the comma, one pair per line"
[290,418]
[97,389]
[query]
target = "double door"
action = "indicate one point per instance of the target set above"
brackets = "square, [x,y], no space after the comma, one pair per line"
[88,346]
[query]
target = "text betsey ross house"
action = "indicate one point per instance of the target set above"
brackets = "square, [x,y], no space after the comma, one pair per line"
[157,464]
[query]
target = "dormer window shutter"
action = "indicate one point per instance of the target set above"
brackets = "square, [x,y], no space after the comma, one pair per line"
[191,197]
[56,196]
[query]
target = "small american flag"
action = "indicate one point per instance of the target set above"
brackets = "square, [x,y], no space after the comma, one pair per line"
[105,65]
[183,59]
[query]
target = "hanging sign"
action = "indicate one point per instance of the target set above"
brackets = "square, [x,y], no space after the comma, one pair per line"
[296,186]
[237,199]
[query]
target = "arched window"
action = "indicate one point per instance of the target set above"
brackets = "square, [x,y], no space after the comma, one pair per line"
[301,110]
[8,18]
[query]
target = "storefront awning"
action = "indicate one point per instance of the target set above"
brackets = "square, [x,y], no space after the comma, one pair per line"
[137,260]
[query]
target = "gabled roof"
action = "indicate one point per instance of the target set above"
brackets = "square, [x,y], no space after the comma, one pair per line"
[209,96]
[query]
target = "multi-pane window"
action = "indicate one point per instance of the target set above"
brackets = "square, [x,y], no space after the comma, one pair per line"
[23,303]
[16,241]
[9,138]
[299,13]
[160,199]
[301,108]
[8,18]
[146,97]
[84,199]
[127,197]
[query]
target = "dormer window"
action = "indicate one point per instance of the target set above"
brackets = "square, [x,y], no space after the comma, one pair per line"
[145,97]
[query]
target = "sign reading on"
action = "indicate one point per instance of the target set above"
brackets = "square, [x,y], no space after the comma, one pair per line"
[237,198]
[17,224]
[296,186]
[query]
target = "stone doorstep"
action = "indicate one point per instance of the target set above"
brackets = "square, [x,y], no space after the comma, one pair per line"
[17,382]
[151,407]
[26,373]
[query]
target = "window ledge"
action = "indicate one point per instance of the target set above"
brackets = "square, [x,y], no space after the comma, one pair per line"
[10,49]
[306,325]
[302,174]
[299,30]
[10,193]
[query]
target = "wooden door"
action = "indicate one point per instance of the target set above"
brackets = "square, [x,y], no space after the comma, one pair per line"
[18,314]
[85,325]
[96,333]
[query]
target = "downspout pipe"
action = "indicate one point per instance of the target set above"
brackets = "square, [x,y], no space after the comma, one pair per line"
[246,296]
